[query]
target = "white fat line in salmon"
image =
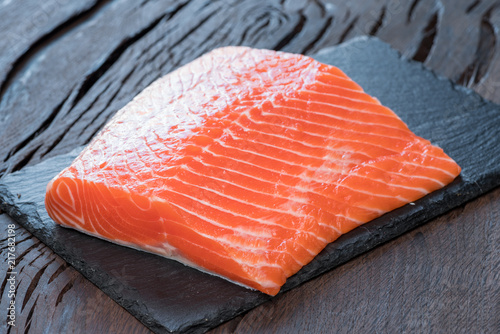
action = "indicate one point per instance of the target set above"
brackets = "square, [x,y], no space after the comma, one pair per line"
[297,199]
[271,186]
[242,232]
[349,84]
[308,178]
[62,211]
[258,264]
[340,139]
[261,251]
[285,212]
[65,199]
[267,283]
[326,148]
[329,169]
[359,93]
[238,245]
[302,143]
[236,214]
[63,204]
[294,176]
[234,244]
[334,117]
[329,136]
[264,113]
[302,179]
[92,210]
[62,214]
[329,127]
[239,230]
[350,91]
[363,107]
[340,75]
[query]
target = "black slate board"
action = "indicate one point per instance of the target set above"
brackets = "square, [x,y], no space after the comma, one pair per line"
[169,297]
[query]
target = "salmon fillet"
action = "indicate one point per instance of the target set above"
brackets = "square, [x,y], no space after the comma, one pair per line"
[245,163]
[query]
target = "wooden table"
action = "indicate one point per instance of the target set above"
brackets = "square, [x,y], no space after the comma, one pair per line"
[67,66]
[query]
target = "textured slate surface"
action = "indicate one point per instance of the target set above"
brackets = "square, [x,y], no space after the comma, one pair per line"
[167,296]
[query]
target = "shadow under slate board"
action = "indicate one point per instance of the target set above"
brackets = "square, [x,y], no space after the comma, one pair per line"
[170,297]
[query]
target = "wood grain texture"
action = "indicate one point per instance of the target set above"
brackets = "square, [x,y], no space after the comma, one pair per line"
[70,65]
[40,23]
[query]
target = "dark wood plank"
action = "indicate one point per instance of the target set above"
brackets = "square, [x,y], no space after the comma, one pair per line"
[29,25]
[75,63]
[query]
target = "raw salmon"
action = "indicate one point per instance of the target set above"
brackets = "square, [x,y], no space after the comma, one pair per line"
[245,163]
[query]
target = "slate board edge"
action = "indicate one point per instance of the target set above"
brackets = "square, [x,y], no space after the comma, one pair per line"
[409,61]
[486,183]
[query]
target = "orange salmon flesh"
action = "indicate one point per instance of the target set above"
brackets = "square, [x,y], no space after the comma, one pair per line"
[245,163]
